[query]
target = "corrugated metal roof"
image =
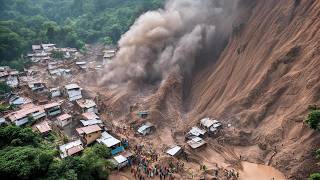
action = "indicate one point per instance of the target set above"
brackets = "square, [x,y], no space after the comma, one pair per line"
[173,151]
[88,129]
[120,159]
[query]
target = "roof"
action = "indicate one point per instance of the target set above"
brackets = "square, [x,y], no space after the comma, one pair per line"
[36,47]
[142,113]
[43,127]
[145,127]
[25,111]
[196,131]
[86,103]
[63,117]
[54,89]
[90,122]
[120,159]
[196,142]
[72,86]
[88,129]
[108,139]
[173,151]
[90,115]
[81,63]
[71,148]
[51,105]
[127,154]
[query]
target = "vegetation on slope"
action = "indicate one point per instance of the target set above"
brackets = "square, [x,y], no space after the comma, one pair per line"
[26,155]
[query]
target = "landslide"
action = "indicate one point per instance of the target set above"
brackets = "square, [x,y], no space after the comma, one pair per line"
[264,81]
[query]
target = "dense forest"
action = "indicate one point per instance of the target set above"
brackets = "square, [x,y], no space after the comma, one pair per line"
[69,23]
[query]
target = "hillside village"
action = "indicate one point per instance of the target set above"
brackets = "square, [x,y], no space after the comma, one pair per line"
[47,97]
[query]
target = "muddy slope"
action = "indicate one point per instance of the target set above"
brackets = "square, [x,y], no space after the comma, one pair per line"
[264,81]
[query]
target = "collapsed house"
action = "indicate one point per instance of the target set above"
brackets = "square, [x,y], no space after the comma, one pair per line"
[27,113]
[87,105]
[195,132]
[43,127]
[211,125]
[52,109]
[37,87]
[64,120]
[111,142]
[73,92]
[89,134]
[146,129]
[71,148]
[55,92]
[9,76]
[196,142]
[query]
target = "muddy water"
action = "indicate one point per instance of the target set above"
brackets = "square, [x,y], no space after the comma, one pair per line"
[253,171]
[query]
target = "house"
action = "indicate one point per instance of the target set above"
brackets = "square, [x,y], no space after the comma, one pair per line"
[196,142]
[12,79]
[211,125]
[64,120]
[87,105]
[174,151]
[73,92]
[17,100]
[54,92]
[91,122]
[111,142]
[146,129]
[90,116]
[22,116]
[52,109]
[3,76]
[109,54]
[120,161]
[48,47]
[71,148]
[196,132]
[36,48]
[82,64]
[37,86]
[89,134]
[43,127]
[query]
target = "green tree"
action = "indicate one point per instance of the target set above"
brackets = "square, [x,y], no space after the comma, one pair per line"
[315,176]
[313,119]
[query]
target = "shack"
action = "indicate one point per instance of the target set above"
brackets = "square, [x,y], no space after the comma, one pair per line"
[43,127]
[90,116]
[71,148]
[73,92]
[174,151]
[91,122]
[37,86]
[143,114]
[18,100]
[120,161]
[211,125]
[64,120]
[55,92]
[196,142]
[111,142]
[52,109]
[89,134]
[87,105]
[82,65]
[146,129]
[195,132]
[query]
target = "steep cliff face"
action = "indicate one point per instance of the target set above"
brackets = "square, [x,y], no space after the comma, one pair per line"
[264,81]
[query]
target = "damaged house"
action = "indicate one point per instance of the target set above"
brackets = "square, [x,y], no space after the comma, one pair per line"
[146,129]
[73,92]
[211,125]
[37,87]
[87,105]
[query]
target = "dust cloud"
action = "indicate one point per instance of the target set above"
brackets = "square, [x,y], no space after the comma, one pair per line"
[170,40]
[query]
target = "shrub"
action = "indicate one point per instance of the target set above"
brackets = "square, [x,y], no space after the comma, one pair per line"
[313,119]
